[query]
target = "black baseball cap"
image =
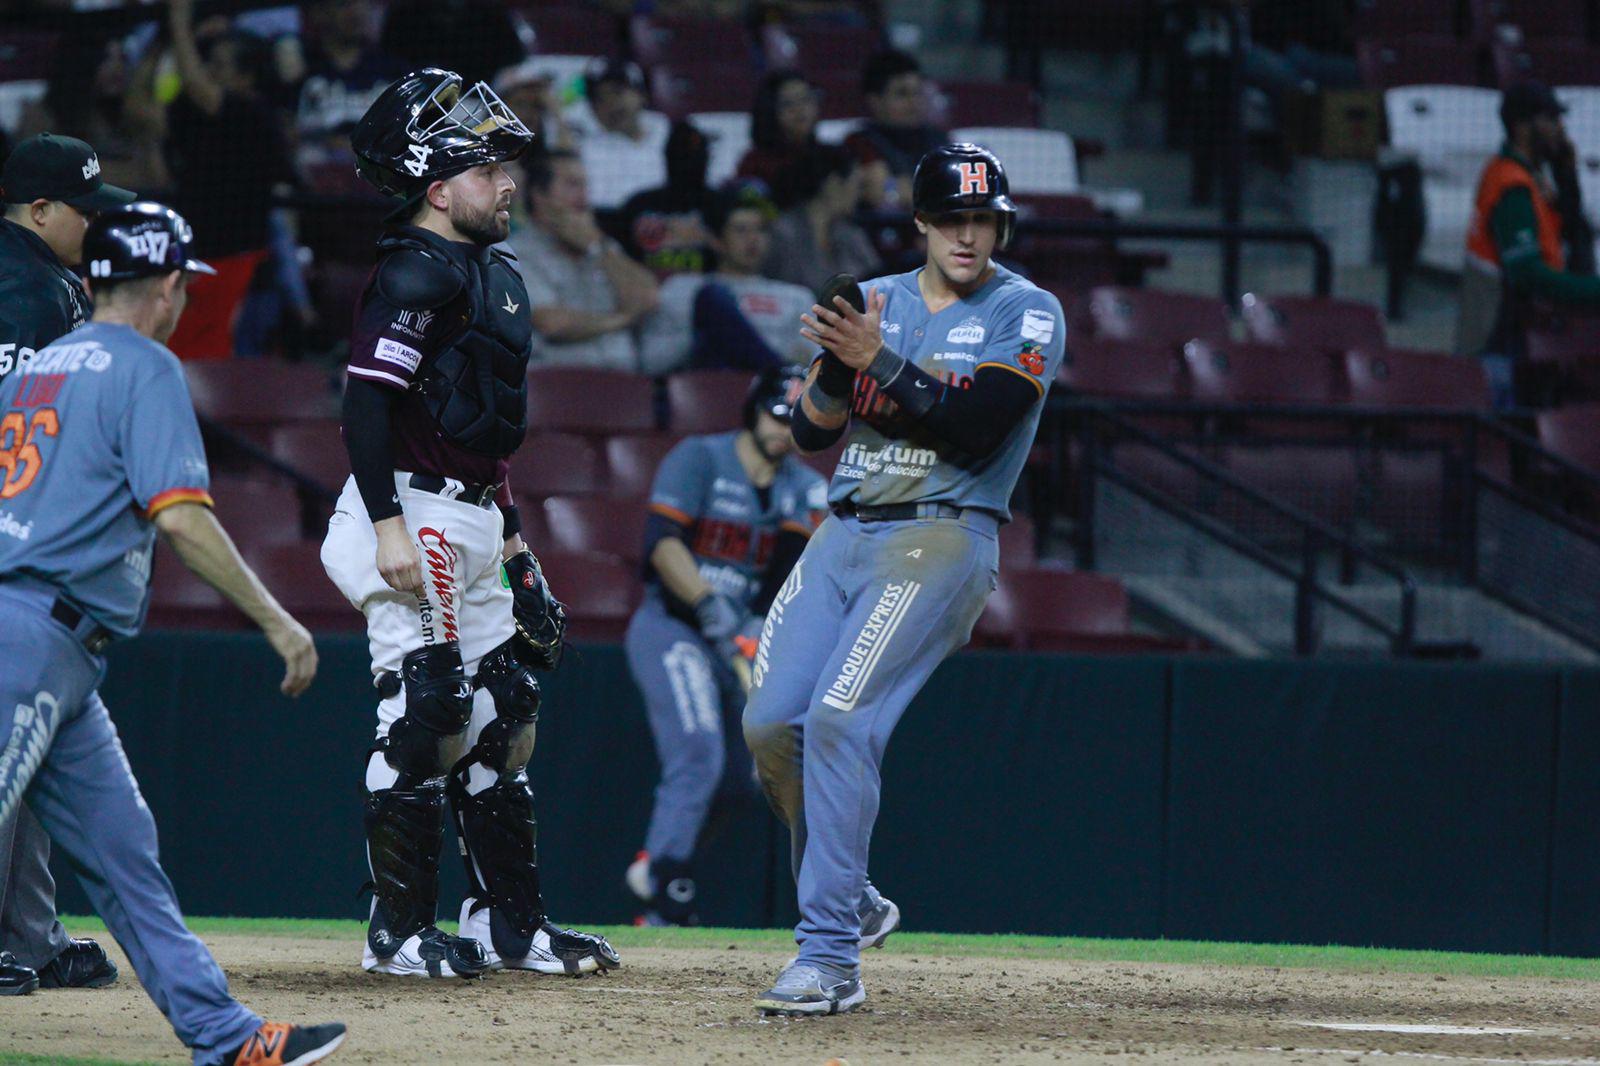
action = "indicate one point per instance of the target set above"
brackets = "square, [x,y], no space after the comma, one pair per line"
[1529,99]
[49,166]
[616,71]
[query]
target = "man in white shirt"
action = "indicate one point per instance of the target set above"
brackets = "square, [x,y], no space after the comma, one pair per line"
[734,317]
[621,142]
[584,292]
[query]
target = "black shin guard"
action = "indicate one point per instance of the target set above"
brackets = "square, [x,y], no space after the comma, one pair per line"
[405,834]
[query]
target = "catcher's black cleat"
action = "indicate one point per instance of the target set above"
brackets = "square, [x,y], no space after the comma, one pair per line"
[430,952]
[81,964]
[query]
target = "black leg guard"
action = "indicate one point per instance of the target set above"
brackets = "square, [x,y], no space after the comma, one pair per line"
[405,823]
[499,834]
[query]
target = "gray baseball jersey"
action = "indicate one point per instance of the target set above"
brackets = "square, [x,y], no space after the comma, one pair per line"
[97,434]
[1010,323]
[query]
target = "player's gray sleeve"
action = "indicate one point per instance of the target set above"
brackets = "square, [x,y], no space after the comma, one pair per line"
[679,489]
[160,442]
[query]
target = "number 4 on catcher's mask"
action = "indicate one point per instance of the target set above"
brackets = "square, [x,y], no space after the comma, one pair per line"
[425,127]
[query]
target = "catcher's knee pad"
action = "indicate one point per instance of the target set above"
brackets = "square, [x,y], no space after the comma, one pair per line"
[500,841]
[506,744]
[428,738]
[405,833]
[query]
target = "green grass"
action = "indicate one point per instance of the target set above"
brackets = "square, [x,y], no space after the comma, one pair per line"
[953,945]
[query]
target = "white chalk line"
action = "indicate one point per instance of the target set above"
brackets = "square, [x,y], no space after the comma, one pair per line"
[1427,1055]
[1426,1030]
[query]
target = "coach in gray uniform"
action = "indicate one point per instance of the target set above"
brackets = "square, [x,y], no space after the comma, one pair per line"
[51,188]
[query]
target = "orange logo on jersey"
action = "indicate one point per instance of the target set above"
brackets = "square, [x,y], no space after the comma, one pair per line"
[1032,359]
[974,179]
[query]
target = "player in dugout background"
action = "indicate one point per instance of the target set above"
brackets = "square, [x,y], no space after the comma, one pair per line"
[939,377]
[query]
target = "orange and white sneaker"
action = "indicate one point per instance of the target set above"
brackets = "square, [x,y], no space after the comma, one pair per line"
[281,1044]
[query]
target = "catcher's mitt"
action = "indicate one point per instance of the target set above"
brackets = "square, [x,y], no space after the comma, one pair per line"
[541,618]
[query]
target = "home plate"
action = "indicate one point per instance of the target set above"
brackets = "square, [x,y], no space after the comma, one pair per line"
[1416,1030]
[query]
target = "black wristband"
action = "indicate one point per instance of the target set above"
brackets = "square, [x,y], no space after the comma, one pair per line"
[513,519]
[914,390]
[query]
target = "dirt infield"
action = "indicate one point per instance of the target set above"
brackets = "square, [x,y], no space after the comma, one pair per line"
[692,1005]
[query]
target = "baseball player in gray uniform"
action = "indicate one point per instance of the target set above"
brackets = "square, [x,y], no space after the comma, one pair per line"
[939,377]
[99,450]
[729,515]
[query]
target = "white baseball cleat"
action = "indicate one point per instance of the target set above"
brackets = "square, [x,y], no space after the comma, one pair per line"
[431,952]
[550,949]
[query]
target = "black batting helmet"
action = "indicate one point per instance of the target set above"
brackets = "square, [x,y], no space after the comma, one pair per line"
[139,240]
[426,127]
[775,391]
[964,177]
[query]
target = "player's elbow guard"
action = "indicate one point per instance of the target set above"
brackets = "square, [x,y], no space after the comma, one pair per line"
[809,437]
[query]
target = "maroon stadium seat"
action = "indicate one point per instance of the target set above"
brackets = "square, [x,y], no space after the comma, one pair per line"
[316,449]
[706,401]
[841,93]
[817,45]
[600,592]
[253,392]
[1573,433]
[1312,323]
[555,464]
[1318,480]
[1396,377]
[1050,609]
[1567,341]
[257,513]
[682,88]
[1017,547]
[1101,366]
[1385,19]
[1553,19]
[1554,62]
[691,42]
[572,30]
[1244,372]
[1172,318]
[180,600]
[631,462]
[579,400]
[610,524]
[1408,495]
[295,575]
[959,104]
[1417,59]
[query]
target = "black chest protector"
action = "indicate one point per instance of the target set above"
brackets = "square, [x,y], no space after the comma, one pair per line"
[475,385]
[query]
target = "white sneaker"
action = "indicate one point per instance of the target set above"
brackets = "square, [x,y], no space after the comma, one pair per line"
[428,953]
[551,949]
[638,877]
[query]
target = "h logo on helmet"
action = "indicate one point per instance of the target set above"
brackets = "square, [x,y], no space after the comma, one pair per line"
[974,179]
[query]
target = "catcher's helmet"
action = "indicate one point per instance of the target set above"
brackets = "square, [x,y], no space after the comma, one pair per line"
[139,240]
[776,391]
[964,177]
[426,127]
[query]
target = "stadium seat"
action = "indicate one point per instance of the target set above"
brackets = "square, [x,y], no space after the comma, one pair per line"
[1385,19]
[706,401]
[1312,323]
[600,591]
[1244,372]
[680,89]
[257,513]
[555,464]
[1018,547]
[1408,497]
[658,40]
[817,45]
[1554,62]
[1049,609]
[987,104]
[1396,377]
[1318,480]
[295,574]
[1105,366]
[572,30]
[315,449]
[1171,318]
[256,392]
[1037,161]
[610,524]
[181,600]
[841,101]
[1573,432]
[1553,19]
[1417,59]
[1451,130]
[729,132]
[631,462]
[580,400]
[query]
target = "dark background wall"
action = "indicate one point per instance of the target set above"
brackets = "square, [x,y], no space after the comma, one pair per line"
[1407,805]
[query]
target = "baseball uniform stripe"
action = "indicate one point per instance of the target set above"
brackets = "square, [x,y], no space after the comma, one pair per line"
[378,375]
[673,513]
[163,500]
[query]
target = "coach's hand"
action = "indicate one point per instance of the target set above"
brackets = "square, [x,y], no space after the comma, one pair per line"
[291,641]
[849,334]
[398,560]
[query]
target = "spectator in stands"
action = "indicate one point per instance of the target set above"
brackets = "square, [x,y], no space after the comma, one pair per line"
[665,228]
[1515,253]
[226,150]
[621,142]
[897,133]
[817,238]
[584,291]
[474,38]
[345,70]
[529,91]
[733,317]
[783,132]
